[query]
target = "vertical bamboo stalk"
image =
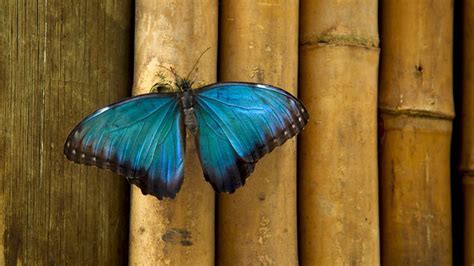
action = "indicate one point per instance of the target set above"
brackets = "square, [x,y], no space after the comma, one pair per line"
[466,166]
[179,231]
[257,224]
[338,194]
[416,111]
[59,60]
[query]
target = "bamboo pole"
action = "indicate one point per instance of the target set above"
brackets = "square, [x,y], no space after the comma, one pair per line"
[180,231]
[416,111]
[257,224]
[337,192]
[466,166]
[59,60]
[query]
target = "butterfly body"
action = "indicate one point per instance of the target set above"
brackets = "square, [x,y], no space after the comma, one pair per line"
[189,116]
[234,124]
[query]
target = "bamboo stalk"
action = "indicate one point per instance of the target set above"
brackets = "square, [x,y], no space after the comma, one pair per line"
[466,166]
[416,111]
[180,231]
[257,224]
[58,62]
[338,195]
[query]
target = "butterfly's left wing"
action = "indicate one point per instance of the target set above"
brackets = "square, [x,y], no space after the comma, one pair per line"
[141,138]
[238,124]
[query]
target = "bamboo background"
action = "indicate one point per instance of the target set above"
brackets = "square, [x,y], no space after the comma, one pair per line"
[177,231]
[416,111]
[466,124]
[338,154]
[383,173]
[260,45]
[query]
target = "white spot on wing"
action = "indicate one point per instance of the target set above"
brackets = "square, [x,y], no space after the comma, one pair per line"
[100,111]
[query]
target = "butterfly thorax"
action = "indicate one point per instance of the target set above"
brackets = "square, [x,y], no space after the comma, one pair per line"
[189,116]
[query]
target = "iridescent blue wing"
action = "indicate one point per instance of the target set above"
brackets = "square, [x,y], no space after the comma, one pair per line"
[221,164]
[141,138]
[238,124]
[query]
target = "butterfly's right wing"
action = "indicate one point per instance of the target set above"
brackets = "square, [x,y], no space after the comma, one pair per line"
[141,138]
[238,123]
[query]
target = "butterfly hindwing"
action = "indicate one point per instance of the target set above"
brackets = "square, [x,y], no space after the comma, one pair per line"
[242,122]
[141,138]
[222,166]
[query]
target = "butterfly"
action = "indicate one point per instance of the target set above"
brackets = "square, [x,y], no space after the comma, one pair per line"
[234,124]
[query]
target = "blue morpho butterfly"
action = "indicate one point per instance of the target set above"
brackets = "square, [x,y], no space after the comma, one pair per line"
[143,137]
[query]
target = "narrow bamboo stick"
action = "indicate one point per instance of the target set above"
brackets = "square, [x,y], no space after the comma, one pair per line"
[337,192]
[59,61]
[466,166]
[180,231]
[257,224]
[416,111]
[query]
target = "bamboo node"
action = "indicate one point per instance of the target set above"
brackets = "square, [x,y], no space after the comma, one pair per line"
[468,178]
[341,36]
[416,113]
[347,40]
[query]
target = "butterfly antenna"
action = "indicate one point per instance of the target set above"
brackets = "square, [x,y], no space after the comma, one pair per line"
[170,70]
[197,61]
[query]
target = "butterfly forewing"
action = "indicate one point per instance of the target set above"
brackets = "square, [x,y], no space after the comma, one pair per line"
[141,138]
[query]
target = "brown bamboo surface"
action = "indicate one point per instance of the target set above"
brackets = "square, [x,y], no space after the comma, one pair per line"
[257,224]
[180,231]
[337,192]
[59,61]
[416,111]
[467,123]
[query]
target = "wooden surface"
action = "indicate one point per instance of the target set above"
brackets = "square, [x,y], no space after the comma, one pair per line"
[416,111]
[180,231]
[59,61]
[466,166]
[338,193]
[257,224]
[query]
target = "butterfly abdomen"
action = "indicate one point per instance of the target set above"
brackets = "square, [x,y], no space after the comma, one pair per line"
[190,120]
